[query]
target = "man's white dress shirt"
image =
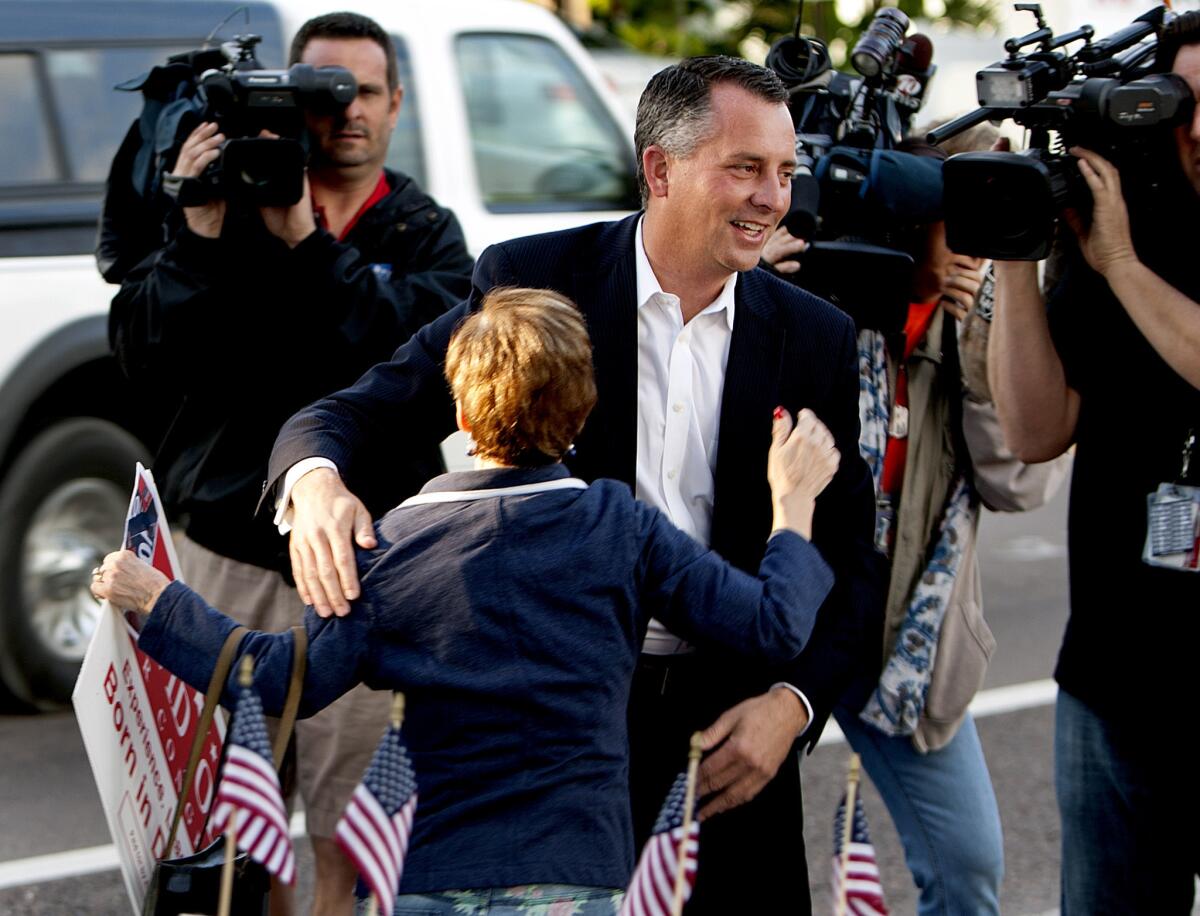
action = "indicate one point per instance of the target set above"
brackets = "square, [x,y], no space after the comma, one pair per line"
[681,377]
[681,374]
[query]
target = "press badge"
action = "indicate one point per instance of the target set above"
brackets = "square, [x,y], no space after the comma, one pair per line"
[1173,521]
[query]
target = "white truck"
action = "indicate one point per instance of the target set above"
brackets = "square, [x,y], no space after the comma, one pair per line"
[505,120]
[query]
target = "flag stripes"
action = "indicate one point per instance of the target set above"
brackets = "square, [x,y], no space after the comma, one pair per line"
[652,888]
[652,891]
[375,829]
[863,890]
[249,793]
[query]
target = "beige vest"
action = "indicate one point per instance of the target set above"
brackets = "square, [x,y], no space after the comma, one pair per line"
[965,643]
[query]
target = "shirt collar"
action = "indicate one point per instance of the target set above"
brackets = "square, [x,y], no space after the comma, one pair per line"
[382,190]
[493,478]
[648,285]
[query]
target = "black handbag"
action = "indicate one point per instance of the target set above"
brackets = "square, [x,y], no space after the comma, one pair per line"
[192,884]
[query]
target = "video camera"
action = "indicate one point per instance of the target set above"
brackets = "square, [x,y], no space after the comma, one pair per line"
[855,196]
[1103,97]
[227,85]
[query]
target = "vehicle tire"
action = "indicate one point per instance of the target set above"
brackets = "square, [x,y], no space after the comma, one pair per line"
[63,504]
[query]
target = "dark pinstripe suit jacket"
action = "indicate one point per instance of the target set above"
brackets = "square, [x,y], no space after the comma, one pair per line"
[788,348]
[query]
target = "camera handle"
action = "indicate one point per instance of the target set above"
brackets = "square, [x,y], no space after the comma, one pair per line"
[965,122]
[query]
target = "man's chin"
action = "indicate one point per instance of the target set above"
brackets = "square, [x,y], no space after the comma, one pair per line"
[346,159]
[742,260]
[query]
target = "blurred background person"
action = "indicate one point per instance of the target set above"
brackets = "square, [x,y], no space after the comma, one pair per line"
[932,440]
[1110,362]
[248,314]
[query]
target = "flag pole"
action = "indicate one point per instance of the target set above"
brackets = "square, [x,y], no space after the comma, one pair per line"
[847,831]
[689,803]
[397,719]
[225,902]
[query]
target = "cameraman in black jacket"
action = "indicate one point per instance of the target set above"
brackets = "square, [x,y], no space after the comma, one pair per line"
[244,318]
[1112,365]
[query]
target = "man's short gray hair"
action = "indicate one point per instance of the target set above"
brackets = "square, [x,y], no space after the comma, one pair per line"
[675,110]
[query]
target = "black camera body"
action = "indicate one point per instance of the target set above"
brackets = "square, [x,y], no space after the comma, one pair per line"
[244,100]
[1103,97]
[854,192]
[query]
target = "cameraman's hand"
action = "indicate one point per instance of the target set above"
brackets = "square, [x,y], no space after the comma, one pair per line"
[199,150]
[779,249]
[292,224]
[326,521]
[1106,243]
[962,285]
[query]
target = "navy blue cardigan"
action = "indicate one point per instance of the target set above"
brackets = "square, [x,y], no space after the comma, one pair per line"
[513,624]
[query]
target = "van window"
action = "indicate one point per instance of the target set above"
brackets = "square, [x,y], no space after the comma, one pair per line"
[94,117]
[26,155]
[541,137]
[404,153]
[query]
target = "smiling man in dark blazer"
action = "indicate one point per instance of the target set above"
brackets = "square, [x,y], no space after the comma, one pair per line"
[694,349]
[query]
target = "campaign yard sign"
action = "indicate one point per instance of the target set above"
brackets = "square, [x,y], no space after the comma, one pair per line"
[138,722]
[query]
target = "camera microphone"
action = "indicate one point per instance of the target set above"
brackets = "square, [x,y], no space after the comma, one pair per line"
[916,54]
[878,42]
[914,66]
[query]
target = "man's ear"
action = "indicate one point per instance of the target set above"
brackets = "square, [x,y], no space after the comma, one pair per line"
[394,106]
[656,164]
[460,419]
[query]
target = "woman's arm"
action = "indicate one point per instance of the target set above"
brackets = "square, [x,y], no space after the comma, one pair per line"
[701,597]
[184,634]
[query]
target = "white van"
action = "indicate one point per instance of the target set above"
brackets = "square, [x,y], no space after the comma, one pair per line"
[505,120]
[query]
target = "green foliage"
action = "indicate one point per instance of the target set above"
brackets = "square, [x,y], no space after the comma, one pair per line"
[683,28]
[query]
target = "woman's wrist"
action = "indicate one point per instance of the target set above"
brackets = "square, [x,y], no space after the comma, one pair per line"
[793,514]
[146,605]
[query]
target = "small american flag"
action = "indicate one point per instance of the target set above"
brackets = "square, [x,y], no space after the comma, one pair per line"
[377,824]
[652,888]
[864,893]
[250,787]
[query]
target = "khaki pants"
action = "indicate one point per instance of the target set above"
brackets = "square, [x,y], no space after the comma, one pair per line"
[334,747]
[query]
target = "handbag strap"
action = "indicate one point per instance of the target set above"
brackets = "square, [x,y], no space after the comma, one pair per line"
[291,705]
[220,673]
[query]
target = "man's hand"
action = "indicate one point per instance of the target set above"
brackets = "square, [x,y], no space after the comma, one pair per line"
[962,285]
[199,150]
[780,248]
[128,583]
[292,224]
[327,520]
[1107,242]
[752,740]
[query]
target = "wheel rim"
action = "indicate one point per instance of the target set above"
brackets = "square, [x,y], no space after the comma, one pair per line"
[71,531]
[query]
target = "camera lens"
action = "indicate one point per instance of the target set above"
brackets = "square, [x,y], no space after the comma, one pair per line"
[1016,192]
